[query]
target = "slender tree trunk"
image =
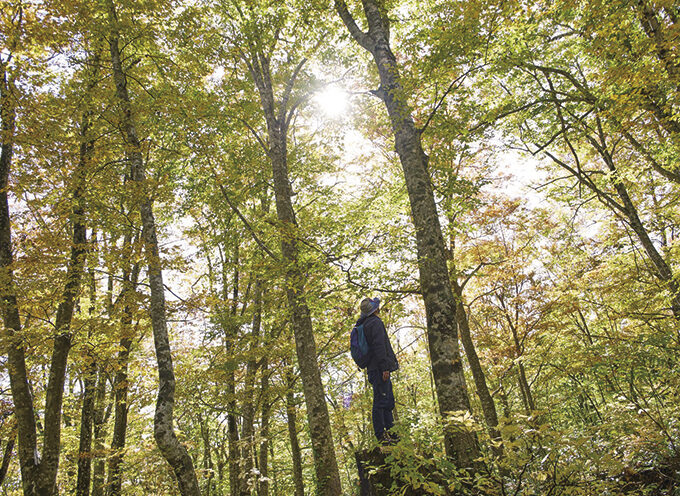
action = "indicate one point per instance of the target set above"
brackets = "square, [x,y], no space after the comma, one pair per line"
[263,483]
[291,415]
[101,415]
[247,429]
[435,284]
[7,455]
[120,383]
[90,380]
[86,419]
[485,399]
[527,397]
[166,439]
[230,327]
[102,410]
[325,462]
[207,455]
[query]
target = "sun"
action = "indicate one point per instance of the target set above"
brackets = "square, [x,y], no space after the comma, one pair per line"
[333,101]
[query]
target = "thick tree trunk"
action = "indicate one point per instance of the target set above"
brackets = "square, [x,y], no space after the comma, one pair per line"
[435,285]
[296,454]
[325,463]
[485,399]
[166,439]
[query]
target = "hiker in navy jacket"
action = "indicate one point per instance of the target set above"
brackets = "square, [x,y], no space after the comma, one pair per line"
[382,362]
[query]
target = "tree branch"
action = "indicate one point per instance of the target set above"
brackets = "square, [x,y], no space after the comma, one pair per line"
[362,38]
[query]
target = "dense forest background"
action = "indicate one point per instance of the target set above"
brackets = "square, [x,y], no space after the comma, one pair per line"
[195,196]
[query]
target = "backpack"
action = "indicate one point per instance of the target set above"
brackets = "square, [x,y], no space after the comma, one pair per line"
[358,346]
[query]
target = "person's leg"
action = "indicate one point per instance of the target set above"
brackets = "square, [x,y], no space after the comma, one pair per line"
[388,416]
[377,412]
[388,419]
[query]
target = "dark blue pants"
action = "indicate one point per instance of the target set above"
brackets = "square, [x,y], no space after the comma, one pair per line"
[383,403]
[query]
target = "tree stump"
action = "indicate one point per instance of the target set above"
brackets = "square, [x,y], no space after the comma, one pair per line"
[375,478]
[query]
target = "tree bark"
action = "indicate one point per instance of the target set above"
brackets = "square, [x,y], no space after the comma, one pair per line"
[325,462]
[166,439]
[435,284]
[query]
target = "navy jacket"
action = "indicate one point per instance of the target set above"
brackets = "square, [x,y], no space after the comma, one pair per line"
[382,354]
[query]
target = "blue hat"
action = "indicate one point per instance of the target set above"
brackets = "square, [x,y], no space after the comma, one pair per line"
[369,305]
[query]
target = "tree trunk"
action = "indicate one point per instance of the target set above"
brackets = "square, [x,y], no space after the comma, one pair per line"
[90,381]
[263,483]
[291,415]
[39,476]
[485,398]
[207,455]
[166,439]
[120,381]
[7,455]
[85,443]
[247,429]
[101,415]
[230,328]
[325,463]
[435,284]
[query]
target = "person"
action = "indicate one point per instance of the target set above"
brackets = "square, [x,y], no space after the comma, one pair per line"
[382,363]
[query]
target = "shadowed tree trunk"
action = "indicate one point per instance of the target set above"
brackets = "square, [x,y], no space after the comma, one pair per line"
[278,118]
[435,285]
[164,433]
